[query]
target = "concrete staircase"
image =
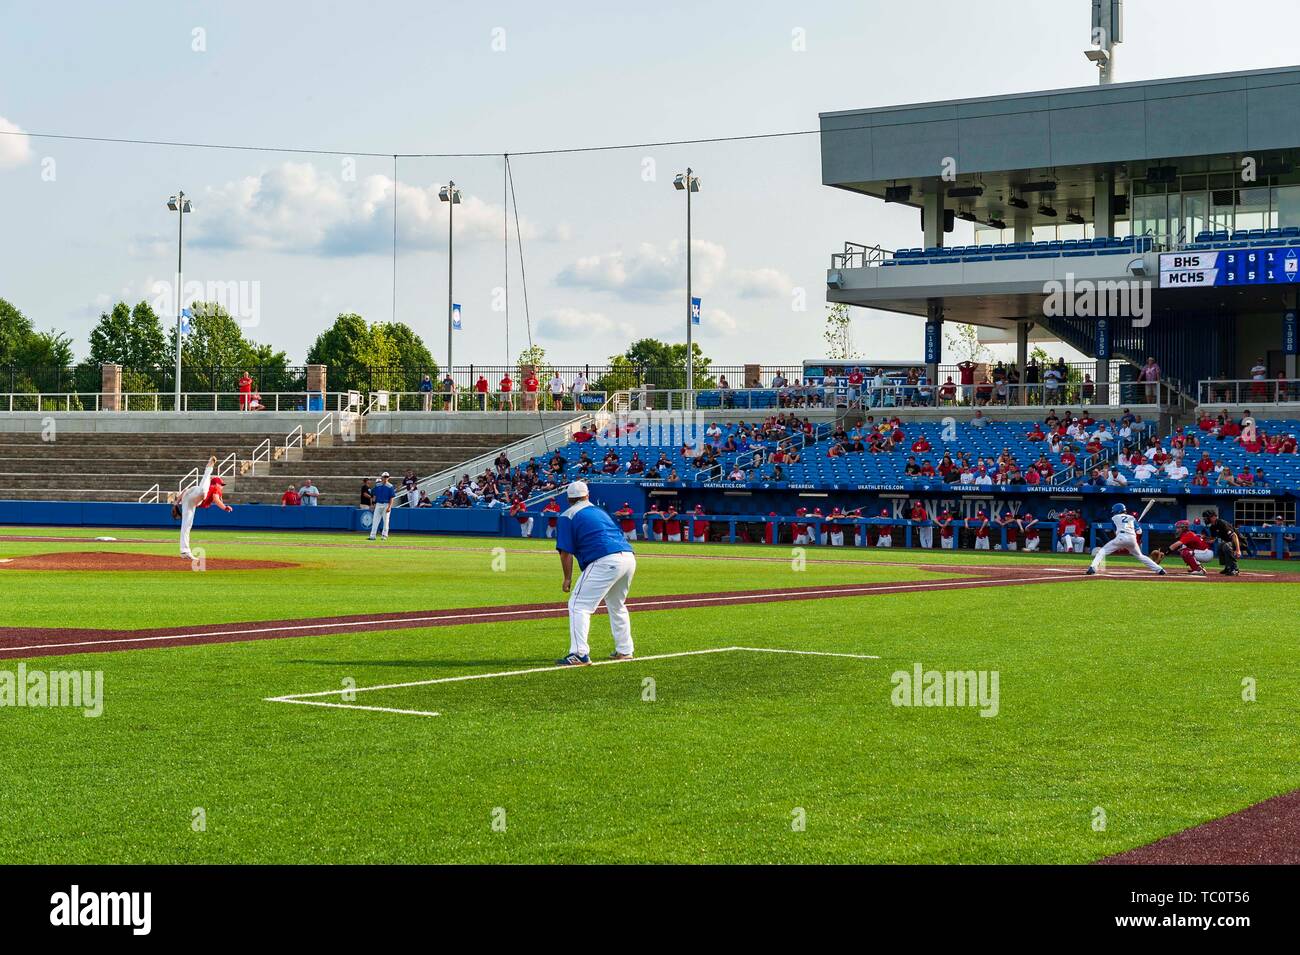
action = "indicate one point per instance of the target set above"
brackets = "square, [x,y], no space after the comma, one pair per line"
[99,466]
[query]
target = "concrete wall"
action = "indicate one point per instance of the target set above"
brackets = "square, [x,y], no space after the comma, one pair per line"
[277,423]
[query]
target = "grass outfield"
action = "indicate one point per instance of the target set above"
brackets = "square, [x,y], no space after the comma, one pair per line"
[1124,694]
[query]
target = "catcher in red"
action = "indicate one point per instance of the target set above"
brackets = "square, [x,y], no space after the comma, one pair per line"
[1190,546]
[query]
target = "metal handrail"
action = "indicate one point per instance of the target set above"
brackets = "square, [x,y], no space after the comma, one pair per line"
[293,440]
[152,495]
[858,256]
[1211,391]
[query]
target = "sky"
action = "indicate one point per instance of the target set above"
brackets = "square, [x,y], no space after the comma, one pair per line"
[294,239]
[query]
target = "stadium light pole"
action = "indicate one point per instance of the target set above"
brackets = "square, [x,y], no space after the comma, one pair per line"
[450,195]
[180,205]
[688,183]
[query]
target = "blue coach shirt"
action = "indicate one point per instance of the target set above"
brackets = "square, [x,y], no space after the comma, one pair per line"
[384,492]
[589,534]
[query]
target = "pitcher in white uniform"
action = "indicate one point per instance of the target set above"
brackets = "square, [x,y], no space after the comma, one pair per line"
[204,494]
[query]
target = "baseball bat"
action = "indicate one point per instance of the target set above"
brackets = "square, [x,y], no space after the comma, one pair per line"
[1145,509]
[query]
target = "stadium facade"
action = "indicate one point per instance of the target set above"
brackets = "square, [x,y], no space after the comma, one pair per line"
[1169,209]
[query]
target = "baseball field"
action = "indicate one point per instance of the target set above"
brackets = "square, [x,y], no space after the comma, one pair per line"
[320,698]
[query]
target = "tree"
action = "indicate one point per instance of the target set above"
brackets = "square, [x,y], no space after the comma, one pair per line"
[386,356]
[535,355]
[964,340]
[622,376]
[215,352]
[130,337]
[664,365]
[839,332]
[15,327]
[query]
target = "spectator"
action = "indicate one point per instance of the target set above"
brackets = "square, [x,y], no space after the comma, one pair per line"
[449,391]
[531,384]
[245,390]
[367,495]
[979,420]
[507,387]
[557,392]
[481,387]
[579,388]
[1087,390]
[966,370]
[309,493]
[426,392]
[410,485]
[1150,374]
[290,498]
[1175,471]
[424,500]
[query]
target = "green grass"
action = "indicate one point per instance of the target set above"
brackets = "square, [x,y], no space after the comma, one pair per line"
[1123,694]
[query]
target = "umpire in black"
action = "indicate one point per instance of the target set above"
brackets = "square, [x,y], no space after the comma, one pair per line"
[1224,539]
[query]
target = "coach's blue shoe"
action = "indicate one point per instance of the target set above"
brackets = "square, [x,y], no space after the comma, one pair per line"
[574,660]
[1091,571]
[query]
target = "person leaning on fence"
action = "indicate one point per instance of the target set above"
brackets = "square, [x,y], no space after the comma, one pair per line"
[507,387]
[449,392]
[426,392]
[557,392]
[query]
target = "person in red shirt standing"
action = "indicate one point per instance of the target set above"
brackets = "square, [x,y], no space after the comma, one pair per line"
[699,528]
[886,538]
[924,533]
[627,521]
[981,524]
[519,511]
[966,369]
[531,384]
[481,387]
[798,530]
[507,387]
[946,539]
[1011,525]
[672,524]
[552,510]
[245,391]
[290,497]
[769,530]
[1029,526]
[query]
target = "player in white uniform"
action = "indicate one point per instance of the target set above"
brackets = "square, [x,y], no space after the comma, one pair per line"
[203,494]
[1125,539]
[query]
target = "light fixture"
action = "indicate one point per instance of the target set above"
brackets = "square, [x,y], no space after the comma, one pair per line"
[174,203]
[965,192]
[679,182]
[1046,210]
[1017,203]
[997,223]
[898,193]
[1138,266]
[1074,217]
[835,280]
[966,216]
[1098,56]
[1044,185]
[449,193]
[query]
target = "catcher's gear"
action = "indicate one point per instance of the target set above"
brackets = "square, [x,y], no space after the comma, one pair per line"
[1158,555]
[1181,527]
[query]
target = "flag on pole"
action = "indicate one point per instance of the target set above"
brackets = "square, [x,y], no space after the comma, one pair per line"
[186,326]
[455,318]
[695,311]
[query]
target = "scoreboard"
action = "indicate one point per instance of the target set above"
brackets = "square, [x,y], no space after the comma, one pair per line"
[1274,266]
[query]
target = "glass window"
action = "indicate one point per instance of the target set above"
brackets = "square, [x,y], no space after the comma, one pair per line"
[1252,208]
[1286,206]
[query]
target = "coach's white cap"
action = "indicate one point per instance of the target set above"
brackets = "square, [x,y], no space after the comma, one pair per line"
[577,489]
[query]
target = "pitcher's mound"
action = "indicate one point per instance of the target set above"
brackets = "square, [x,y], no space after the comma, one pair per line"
[111,560]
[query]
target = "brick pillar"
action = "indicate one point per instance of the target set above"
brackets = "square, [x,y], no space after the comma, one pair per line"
[110,389]
[753,376]
[316,378]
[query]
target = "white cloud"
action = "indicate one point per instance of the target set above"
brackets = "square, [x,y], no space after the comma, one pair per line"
[647,269]
[297,208]
[760,283]
[15,145]
[571,324]
[716,321]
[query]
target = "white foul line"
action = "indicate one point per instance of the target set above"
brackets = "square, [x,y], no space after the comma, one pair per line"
[306,698]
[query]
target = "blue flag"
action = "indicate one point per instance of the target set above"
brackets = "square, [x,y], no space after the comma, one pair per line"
[186,327]
[455,318]
[695,311]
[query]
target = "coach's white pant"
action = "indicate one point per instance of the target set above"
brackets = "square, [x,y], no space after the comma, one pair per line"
[1071,543]
[885,540]
[629,535]
[190,502]
[837,538]
[526,528]
[981,543]
[1123,542]
[607,579]
[381,514]
[1031,542]
[948,543]
[926,534]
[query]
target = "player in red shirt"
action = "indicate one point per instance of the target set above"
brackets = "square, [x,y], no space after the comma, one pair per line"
[626,521]
[946,539]
[981,524]
[924,533]
[672,524]
[518,510]
[552,510]
[1011,525]
[699,528]
[1029,526]
[886,538]
[799,531]
[1191,547]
